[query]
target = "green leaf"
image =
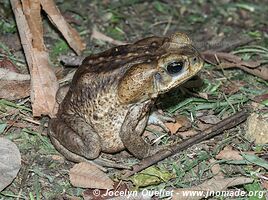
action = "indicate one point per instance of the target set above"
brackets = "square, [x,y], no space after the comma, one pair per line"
[2,127]
[255,192]
[160,7]
[255,160]
[6,27]
[151,176]
[245,6]
[265,102]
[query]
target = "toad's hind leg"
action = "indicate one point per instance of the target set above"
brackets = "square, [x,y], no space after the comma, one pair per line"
[65,152]
[74,138]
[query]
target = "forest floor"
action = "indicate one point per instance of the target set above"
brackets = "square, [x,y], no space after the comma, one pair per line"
[212,25]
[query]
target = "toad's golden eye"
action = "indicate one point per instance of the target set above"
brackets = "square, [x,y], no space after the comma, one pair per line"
[175,67]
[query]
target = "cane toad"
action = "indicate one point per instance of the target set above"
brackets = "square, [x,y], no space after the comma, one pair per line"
[108,103]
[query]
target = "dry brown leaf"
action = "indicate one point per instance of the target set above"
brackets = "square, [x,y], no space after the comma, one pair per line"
[216,168]
[182,123]
[213,184]
[58,158]
[187,134]
[70,34]
[100,36]
[12,90]
[261,71]
[173,127]
[10,162]
[86,175]
[6,74]
[210,119]
[229,154]
[265,184]
[216,58]
[43,80]
[247,64]
[232,87]
[9,65]
[202,126]
[257,129]
[260,98]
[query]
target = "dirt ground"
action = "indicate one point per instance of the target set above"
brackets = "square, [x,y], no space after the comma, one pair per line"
[233,27]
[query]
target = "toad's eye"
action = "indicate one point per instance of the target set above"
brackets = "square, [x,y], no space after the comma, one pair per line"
[175,67]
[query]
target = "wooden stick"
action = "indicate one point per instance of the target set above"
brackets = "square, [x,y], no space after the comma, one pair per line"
[43,79]
[212,131]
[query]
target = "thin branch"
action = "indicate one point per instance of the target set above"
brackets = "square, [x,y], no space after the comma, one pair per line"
[210,132]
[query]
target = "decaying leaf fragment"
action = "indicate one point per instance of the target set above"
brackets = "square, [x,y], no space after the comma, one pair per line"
[228,153]
[12,90]
[86,175]
[13,84]
[10,162]
[8,75]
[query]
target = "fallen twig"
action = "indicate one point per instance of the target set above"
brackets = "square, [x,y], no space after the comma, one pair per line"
[100,36]
[212,131]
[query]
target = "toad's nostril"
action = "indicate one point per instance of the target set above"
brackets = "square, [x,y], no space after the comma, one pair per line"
[158,76]
[194,60]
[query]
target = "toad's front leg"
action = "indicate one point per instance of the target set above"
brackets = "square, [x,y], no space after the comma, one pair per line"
[132,129]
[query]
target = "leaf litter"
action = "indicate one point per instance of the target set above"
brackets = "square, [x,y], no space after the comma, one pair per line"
[231,62]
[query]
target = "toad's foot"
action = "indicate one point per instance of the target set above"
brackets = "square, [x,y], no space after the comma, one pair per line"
[158,119]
